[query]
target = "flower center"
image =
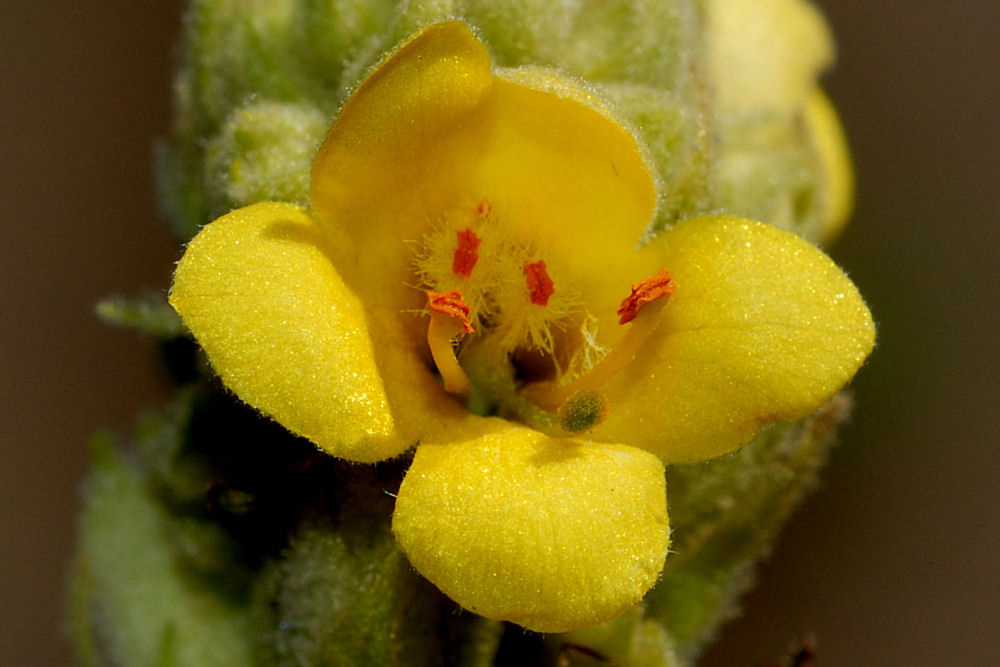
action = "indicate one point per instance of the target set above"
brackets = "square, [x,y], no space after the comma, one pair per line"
[508,329]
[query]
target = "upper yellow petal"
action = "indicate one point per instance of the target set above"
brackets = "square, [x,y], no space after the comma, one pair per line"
[550,534]
[572,179]
[401,150]
[398,157]
[763,326]
[258,290]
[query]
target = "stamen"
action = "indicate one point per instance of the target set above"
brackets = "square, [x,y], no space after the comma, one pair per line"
[644,306]
[449,322]
[644,292]
[466,252]
[540,285]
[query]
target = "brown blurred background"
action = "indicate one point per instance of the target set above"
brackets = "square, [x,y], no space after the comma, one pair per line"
[892,562]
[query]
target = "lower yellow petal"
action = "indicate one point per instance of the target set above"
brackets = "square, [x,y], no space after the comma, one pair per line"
[258,290]
[550,534]
[762,327]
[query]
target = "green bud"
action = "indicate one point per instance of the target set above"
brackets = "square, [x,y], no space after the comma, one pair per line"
[342,593]
[264,152]
[766,169]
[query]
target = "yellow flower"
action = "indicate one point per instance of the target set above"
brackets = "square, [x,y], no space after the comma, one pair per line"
[474,243]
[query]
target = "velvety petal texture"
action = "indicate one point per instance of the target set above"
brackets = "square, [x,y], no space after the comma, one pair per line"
[550,534]
[258,290]
[763,327]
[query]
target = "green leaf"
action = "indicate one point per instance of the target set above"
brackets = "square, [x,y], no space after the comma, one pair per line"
[766,169]
[149,313]
[132,602]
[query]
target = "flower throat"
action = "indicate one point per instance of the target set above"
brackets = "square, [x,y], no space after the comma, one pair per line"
[511,334]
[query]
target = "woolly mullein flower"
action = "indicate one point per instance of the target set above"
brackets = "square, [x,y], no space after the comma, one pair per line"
[473,277]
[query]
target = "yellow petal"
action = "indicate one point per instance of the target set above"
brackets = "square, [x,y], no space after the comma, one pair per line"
[570,178]
[398,158]
[830,143]
[401,150]
[550,534]
[766,54]
[258,290]
[763,327]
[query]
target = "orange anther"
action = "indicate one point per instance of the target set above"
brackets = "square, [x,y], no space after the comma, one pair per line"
[452,305]
[540,285]
[644,292]
[466,253]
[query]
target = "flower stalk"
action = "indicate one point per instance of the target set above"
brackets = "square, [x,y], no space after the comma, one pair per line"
[419,405]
